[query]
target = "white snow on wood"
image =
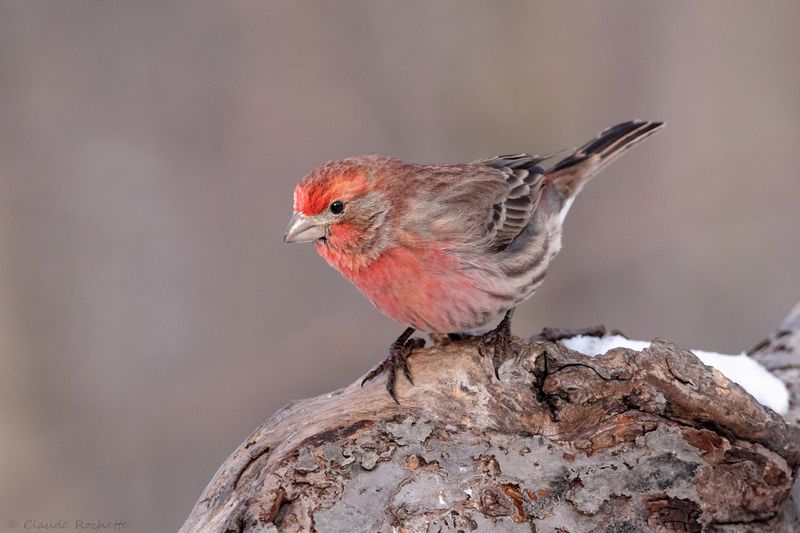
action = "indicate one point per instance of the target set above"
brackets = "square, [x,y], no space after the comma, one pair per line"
[741,369]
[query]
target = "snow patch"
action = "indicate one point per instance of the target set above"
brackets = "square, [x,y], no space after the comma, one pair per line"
[600,345]
[741,369]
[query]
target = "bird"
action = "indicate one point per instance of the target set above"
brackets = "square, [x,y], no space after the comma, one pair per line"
[447,248]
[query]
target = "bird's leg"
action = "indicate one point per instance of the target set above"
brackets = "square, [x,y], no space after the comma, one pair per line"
[396,358]
[499,341]
[558,334]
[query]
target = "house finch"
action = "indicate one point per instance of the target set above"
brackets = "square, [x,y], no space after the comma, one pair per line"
[447,248]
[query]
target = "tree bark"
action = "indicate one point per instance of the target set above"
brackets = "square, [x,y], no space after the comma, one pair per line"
[623,442]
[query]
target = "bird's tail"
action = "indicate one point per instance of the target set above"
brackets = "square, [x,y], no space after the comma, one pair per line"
[569,175]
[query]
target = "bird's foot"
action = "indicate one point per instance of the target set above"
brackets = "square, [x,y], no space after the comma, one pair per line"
[397,358]
[498,342]
[558,334]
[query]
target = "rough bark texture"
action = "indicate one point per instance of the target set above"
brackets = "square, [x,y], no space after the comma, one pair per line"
[628,441]
[780,354]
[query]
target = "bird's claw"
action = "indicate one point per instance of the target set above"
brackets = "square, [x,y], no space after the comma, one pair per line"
[498,343]
[396,358]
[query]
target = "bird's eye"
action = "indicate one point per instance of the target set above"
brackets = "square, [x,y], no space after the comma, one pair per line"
[337,207]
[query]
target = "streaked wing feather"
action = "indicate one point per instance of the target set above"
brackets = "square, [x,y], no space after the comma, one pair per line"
[513,211]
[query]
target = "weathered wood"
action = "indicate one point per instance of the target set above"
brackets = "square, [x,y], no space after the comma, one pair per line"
[628,441]
[780,354]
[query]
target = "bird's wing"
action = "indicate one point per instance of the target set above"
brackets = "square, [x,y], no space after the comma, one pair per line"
[512,212]
[483,205]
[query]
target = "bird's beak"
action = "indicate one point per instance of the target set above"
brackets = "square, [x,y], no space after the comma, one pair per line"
[303,228]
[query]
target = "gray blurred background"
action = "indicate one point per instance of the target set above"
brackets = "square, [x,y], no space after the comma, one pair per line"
[150,315]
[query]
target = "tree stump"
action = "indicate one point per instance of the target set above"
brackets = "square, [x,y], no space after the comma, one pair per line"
[623,442]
